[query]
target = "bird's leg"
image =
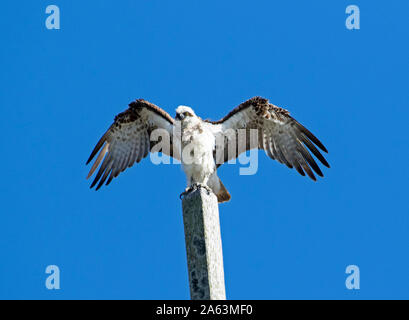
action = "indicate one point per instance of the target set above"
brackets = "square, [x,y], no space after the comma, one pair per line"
[195,186]
[191,188]
[187,190]
[205,186]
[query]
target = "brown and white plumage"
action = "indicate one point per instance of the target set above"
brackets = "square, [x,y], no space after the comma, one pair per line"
[283,138]
[128,140]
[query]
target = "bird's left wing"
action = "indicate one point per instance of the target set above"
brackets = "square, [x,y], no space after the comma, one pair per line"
[128,140]
[281,136]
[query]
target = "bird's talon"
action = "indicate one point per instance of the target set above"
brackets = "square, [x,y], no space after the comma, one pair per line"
[187,191]
[195,187]
[207,188]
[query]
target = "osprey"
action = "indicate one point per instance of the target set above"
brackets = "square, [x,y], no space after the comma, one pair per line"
[203,145]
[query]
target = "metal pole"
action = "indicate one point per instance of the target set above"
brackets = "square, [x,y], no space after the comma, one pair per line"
[203,245]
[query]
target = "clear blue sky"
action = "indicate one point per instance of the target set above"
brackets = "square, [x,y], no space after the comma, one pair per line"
[284,236]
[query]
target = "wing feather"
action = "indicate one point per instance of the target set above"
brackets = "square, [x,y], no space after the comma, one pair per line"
[281,136]
[307,156]
[102,169]
[305,166]
[140,145]
[106,173]
[268,147]
[98,160]
[128,140]
[313,149]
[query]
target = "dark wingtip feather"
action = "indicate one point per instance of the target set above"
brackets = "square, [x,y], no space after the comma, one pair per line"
[308,170]
[89,159]
[100,184]
[323,148]
[315,140]
[310,173]
[299,169]
[316,168]
[310,135]
[111,176]
[325,163]
[303,137]
[96,149]
[106,173]
[92,155]
[93,183]
[307,156]
[101,171]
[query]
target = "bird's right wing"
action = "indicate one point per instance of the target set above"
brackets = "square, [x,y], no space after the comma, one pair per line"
[128,140]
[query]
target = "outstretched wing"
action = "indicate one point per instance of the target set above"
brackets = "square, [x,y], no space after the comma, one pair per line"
[128,140]
[282,137]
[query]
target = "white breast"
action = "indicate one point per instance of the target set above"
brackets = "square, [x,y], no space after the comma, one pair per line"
[198,143]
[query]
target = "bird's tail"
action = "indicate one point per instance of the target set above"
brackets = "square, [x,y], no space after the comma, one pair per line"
[223,195]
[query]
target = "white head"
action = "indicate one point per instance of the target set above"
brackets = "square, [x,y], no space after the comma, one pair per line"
[183,112]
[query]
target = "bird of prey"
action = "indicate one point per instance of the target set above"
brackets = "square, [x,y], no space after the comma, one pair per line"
[208,143]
